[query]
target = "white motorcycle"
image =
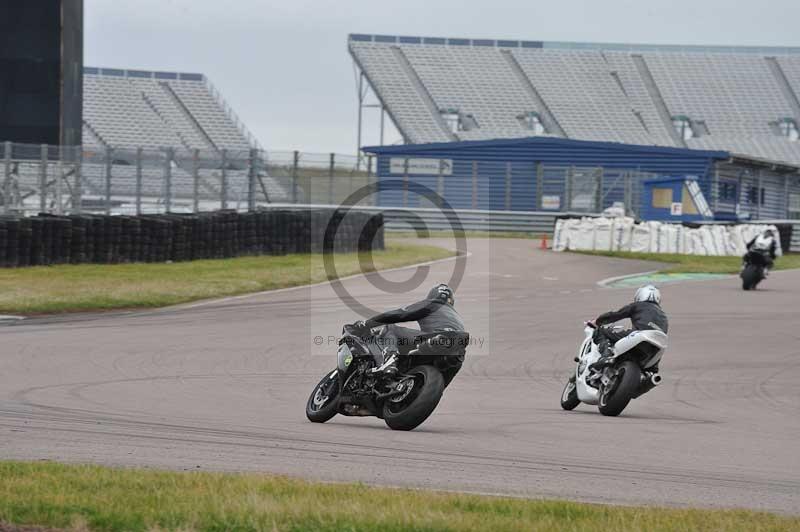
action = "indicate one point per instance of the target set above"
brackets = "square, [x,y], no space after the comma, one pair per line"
[628,374]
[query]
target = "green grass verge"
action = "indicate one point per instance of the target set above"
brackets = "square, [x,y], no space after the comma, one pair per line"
[100,498]
[90,287]
[696,263]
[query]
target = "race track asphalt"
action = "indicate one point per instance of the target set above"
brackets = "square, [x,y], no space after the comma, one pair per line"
[222,386]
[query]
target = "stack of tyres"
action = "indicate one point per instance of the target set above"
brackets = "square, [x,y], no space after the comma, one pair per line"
[36,245]
[24,237]
[102,239]
[3,243]
[12,242]
[79,245]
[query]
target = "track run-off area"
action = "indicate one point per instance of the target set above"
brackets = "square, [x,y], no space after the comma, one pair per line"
[222,385]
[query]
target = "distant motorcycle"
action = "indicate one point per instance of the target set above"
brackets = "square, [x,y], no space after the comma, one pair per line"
[628,375]
[755,269]
[403,400]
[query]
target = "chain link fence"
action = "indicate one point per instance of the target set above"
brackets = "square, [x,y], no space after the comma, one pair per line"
[74,179]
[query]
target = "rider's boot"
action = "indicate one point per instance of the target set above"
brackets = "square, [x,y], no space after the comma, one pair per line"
[607,355]
[389,366]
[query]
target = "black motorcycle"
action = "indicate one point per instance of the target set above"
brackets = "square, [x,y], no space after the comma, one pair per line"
[403,400]
[754,269]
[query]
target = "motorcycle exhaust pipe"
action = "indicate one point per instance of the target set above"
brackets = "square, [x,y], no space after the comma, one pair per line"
[648,383]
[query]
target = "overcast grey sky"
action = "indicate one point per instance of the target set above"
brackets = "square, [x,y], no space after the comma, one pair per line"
[284,68]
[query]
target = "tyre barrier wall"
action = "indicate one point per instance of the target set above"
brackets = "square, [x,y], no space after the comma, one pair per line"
[102,239]
[624,234]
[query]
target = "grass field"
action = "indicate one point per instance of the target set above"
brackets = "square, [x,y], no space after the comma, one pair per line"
[696,263]
[88,287]
[99,498]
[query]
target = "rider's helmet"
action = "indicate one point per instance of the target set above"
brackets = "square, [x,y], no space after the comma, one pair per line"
[442,292]
[769,233]
[648,293]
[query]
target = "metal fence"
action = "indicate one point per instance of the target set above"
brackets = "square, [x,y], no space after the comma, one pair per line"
[509,186]
[74,179]
[60,179]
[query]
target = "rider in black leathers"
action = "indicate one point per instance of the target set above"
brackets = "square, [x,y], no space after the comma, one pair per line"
[433,314]
[645,313]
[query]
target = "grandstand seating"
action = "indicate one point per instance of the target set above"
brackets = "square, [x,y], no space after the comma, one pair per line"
[733,99]
[135,108]
[128,109]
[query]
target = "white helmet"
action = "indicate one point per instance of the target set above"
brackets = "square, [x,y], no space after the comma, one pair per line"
[648,293]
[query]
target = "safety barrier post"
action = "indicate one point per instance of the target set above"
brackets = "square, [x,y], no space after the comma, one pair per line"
[223,187]
[7,178]
[539,186]
[168,181]
[138,181]
[331,166]
[77,189]
[43,178]
[295,164]
[599,197]
[195,180]
[474,184]
[405,183]
[508,187]
[109,162]
[251,180]
[568,190]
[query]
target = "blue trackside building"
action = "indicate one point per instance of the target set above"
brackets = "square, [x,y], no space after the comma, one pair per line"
[556,174]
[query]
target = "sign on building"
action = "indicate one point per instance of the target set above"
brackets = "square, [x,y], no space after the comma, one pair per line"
[417,166]
[551,203]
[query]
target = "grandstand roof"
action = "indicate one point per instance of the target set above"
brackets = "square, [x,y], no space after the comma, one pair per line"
[743,100]
[567,45]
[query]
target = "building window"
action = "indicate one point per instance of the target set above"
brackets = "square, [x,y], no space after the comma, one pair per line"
[683,125]
[532,121]
[728,191]
[794,205]
[662,198]
[787,127]
[756,196]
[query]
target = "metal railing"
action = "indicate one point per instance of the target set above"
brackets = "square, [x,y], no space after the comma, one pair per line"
[125,180]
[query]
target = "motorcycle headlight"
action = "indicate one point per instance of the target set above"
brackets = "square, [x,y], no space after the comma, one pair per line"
[345,357]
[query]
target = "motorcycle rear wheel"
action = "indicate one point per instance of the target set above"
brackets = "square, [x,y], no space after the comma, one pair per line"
[407,412]
[569,397]
[616,396]
[323,402]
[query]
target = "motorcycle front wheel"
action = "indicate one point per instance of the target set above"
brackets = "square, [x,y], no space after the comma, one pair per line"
[616,395]
[423,388]
[751,276]
[324,400]
[569,397]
